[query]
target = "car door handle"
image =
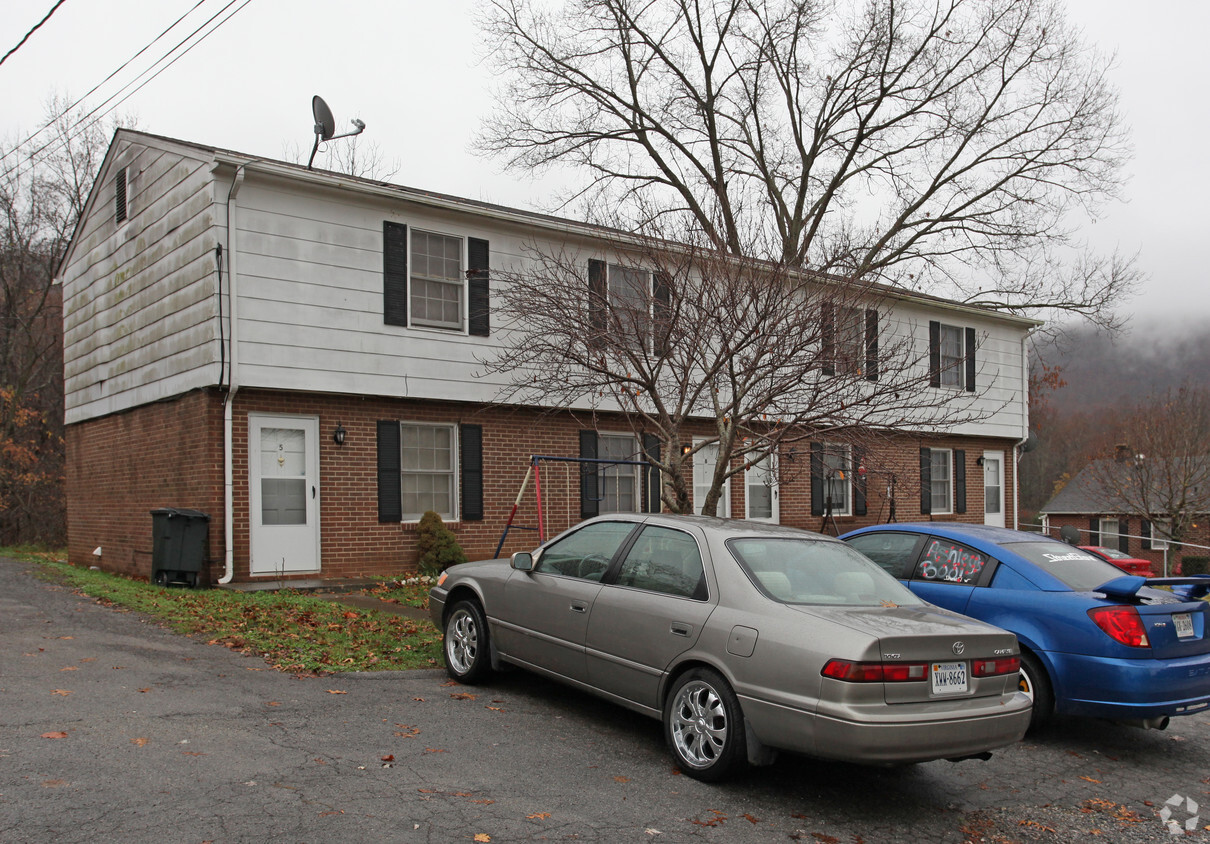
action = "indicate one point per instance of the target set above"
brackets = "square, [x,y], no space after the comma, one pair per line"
[579,606]
[679,629]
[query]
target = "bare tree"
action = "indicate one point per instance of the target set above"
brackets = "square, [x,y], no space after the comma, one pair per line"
[688,342]
[1161,472]
[350,156]
[942,145]
[41,200]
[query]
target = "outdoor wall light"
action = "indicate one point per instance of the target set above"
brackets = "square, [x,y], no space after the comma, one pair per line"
[685,449]
[338,436]
[978,461]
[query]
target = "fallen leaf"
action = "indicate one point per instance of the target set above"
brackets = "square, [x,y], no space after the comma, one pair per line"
[336,692]
[1090,779]
[57,734]
[351,614]
[389,758]
[336,812]
[418,699]
[60,692]
[621,779]
[538,816]
[482,836]
[406,731]
[273,703]
[462,696]
[751,819]
[70,668]
[146,690]
[433,750]
[140,742]
[67,637]
[53,783]
[484,802]
[89,659]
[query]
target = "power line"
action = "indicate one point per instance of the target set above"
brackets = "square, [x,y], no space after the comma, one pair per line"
[85,123]
[32,31]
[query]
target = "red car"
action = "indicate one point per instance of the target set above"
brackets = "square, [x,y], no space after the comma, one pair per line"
[1127,563]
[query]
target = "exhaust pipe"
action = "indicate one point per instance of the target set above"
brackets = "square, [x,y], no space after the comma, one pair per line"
[982,757]
[1160,723]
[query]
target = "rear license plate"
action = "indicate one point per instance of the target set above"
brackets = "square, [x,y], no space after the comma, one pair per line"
[949,678]
[1183,623]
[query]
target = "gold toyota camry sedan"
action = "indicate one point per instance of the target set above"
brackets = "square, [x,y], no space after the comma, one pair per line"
[742,638]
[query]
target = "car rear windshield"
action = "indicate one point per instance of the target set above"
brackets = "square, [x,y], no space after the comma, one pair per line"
[807,571]
[1079,570]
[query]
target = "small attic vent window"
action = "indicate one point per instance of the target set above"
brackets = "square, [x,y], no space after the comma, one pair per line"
[119,195]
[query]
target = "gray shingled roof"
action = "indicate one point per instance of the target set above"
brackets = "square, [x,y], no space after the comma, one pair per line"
[1085,494]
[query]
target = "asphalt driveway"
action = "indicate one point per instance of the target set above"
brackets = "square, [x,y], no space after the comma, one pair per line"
[113,729]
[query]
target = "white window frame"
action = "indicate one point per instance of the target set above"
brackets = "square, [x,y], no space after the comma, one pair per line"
[1161,529]
[948,481]
[621,299]
[1104,529]
[838,457]
[451,472]
[609,476]
[953,368]
[457,281]
[768,466]
[703,473]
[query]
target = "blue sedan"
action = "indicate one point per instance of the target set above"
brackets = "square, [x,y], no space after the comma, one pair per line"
[1094,642]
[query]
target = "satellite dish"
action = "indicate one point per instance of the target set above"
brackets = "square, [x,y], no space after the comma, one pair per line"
[1031,442]
[325,123]
[1069,534]
[325,126]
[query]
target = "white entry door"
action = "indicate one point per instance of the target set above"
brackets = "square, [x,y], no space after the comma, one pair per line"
[993,488]
[283,475]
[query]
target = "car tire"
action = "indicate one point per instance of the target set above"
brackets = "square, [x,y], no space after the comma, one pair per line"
[704,725]
[1036,684]
[466,646]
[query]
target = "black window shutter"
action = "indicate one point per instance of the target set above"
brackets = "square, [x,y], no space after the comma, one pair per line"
[470,481]
[596,297]
[478,288]
[119,196]
[394,273]
[959,480]
[589,504]
[827,333]
[1123,535]
[817,504]
[1145,532]
[859,483]
[390,479]
[871,344]
[934,353]
[651,475]
[1094,530]
[926,481]
[661,290]
[970,360]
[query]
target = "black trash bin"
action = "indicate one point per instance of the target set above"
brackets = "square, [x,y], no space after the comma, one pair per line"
[180,546]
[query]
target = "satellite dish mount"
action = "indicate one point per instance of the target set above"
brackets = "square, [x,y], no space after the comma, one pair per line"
[325,126]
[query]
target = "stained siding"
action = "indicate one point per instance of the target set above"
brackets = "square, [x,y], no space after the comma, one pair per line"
[140,313]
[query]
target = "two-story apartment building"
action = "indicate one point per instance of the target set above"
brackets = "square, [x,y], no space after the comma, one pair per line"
[298,354]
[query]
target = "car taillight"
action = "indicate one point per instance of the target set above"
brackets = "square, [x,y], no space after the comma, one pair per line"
[875,672]
[1123,624]
[995,667]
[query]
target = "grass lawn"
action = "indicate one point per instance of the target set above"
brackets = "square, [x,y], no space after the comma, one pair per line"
[291,630]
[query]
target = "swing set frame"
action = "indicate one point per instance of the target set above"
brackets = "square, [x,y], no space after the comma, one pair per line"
[535,471]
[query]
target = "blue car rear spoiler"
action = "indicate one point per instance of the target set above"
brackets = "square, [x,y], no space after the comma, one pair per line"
[1126,587]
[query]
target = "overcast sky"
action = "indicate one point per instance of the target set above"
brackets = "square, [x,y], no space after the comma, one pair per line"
[409,69]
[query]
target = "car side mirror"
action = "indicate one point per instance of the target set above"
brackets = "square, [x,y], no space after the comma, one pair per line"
[522,561]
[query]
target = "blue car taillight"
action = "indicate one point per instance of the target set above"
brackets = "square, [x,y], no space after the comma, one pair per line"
[1122,624]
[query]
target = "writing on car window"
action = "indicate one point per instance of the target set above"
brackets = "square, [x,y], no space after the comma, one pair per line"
[950,562]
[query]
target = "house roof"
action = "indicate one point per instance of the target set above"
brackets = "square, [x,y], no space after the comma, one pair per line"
[1086,492]
[563,225]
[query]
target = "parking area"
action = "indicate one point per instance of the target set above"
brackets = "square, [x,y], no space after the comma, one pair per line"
[113,728]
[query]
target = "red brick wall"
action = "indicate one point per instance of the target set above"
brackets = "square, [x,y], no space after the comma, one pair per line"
[121,467]
[171,454]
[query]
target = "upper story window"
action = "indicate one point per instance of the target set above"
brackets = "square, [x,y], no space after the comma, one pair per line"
[850,341]
[952,356]
[429,282]
[629,301]
[437,281]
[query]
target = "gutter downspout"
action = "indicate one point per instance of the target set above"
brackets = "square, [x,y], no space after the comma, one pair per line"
[232,383]
[1024,428]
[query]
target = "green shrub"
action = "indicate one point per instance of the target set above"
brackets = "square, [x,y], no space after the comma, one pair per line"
[437,545]
[1195,565]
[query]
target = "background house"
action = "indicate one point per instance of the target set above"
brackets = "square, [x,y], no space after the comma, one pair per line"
[1103,517]
[297,354]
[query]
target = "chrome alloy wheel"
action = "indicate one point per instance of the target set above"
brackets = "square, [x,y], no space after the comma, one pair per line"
[462,640]
[699,724]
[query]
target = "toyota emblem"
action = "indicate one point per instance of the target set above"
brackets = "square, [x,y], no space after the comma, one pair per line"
[959,647]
